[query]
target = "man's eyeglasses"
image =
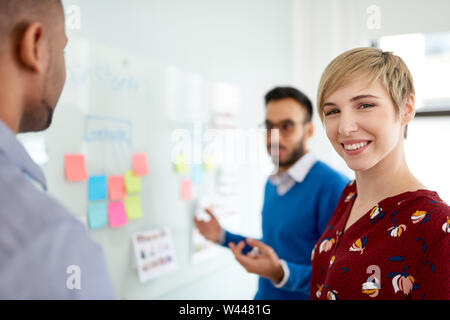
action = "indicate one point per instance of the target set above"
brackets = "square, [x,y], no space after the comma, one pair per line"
[285,127]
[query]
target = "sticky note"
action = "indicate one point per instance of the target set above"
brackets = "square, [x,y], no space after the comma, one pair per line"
[208,163]
[181,164]
[133,207]
[97,215]
[182,168]
[97,188]
[139,164]
[197,174]
[132,182]
[186,190]
[75,167]
[116,214]
[116,188]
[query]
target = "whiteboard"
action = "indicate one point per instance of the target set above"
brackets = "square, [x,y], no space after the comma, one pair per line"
[115,104]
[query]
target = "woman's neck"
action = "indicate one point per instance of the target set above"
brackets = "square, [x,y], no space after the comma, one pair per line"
[391,176]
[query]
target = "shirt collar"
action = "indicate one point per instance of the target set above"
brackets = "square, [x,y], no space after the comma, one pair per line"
[14,150]
[298,171]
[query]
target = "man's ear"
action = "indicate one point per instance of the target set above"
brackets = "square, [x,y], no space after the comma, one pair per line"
[409,110]
[31,48]
[309,129]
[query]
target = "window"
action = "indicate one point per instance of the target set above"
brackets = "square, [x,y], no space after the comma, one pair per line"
[428,58]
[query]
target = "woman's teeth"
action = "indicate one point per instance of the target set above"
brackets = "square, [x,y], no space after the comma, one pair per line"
[355,146]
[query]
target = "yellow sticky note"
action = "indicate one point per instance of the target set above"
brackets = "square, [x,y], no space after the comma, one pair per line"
[208,163]
[180,164]
[133,207]
[132,182]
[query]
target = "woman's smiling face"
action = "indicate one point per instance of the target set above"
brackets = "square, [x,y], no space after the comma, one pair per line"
[362,123]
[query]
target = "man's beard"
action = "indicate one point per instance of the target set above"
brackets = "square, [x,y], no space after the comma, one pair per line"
[296,154]
[45,119]
[49,110]
[38,120]
[40,117]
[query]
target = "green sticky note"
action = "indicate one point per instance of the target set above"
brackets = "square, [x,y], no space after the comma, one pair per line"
[208,163]
[133,207]
[132,182]
[181,168]
[97,215]
[181,164]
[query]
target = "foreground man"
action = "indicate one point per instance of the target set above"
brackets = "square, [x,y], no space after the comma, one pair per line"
[45,253]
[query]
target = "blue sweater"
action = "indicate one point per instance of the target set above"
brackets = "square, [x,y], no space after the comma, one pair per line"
[292,224]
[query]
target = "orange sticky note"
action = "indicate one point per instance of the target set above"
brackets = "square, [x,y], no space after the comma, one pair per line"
[75,167]
[116,188]
[186,190]
[139,164]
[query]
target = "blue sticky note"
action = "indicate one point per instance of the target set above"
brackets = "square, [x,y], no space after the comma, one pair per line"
[97,215]
[197,174]
[97,188]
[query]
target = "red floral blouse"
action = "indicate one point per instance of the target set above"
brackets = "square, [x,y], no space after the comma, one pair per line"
[400,249]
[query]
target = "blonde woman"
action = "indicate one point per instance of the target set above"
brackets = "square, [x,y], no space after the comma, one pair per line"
[388,237]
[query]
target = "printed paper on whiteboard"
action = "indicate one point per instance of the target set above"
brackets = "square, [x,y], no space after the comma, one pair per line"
[154,253]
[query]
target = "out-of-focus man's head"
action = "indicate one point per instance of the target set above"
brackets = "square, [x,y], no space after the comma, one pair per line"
[290,111]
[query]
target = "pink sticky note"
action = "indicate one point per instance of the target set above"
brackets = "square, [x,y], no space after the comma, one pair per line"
[75,167]
[116,188]
[116,214]
[186,190]
[139,164]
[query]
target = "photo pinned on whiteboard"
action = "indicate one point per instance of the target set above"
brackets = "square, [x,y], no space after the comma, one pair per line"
[154,253]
